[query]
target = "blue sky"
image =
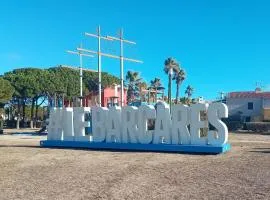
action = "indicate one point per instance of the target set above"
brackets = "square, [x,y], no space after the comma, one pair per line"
[222,44]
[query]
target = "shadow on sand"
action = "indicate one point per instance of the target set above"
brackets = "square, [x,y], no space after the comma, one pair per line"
[106,150]
[261,150]
[250,132]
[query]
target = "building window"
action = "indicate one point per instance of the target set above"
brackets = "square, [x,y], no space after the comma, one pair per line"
[250,105]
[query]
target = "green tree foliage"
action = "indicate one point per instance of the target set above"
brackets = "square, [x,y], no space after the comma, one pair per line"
[90,80]
[133,81]
[189,91]
[142,85]
[67,81]
[33,86]
[27,83]
[185,100]
[6,91]
[156,83]
[24,82]
[171,63]
[64,81]
[179,77]
[171,66]
[156,86]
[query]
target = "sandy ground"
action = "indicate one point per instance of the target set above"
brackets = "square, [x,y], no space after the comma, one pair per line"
[30,172]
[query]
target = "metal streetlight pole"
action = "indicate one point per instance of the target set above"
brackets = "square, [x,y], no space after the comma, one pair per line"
[99,69]
[122,67]
[81,70]
[98,35]
[122,40]
[81,78]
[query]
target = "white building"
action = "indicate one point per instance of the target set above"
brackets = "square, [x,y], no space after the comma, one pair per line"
[249,106]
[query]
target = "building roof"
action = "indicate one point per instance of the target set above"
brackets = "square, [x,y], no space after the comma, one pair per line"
[250,94]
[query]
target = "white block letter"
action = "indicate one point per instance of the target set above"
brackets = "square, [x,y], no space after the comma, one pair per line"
[197,124]
[215,112]
[180,122]
[80,123]
[129,124]
[68,127]
[146,112]
[55,130]
[162,125]
[113,125]
[99,118]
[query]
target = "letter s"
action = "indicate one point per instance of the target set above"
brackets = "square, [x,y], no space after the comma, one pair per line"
[220,135]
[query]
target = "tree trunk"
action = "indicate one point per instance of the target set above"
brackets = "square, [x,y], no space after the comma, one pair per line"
[36,114]
[18,114]
[50,106]
[18,121]
[23,117]
[170,90]
[156,96]
[37,106]
[32,113]
[177,93]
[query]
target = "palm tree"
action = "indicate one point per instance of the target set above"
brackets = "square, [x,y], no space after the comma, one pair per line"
[133,79]
[156,86]
[170,67]
[185,100]
[189,91]
[142,88]
[179,78]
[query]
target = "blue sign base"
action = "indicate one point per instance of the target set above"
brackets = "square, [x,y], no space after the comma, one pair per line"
[137,147]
